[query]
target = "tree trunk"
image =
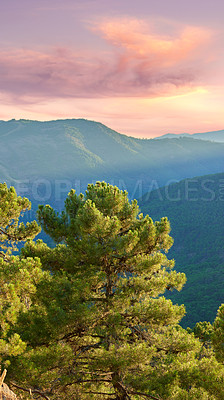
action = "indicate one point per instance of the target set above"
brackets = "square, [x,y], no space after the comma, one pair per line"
[121,393]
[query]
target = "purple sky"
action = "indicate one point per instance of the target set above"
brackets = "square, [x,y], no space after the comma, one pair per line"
[143,67]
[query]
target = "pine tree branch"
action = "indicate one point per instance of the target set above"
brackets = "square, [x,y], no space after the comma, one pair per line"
[30,390]
[125,257]
[96,373]
[105,394]
[4,256]
[80,381]
[146,337]
[3,232]
[126,390]
[149,396]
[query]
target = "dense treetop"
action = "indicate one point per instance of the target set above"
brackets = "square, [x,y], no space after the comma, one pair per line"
[88,317]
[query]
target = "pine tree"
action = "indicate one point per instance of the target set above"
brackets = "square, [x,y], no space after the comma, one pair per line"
[99,326]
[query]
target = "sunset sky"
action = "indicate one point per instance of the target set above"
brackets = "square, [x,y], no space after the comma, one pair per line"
[143,68]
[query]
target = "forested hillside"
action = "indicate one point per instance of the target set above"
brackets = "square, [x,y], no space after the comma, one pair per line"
[44,160]
[195,208]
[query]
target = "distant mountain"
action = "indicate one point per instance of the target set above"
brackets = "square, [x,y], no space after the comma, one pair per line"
[173,136]
[195,208]
[45,159]
[216,136]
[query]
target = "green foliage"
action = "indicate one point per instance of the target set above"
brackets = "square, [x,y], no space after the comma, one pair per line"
[218,335]
[11,231]
[204,330]
[18,278]
[98,326]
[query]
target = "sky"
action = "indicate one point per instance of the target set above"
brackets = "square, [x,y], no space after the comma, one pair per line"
[144,68]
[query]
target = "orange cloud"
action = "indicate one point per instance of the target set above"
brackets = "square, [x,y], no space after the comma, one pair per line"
[156,64]
[136,39]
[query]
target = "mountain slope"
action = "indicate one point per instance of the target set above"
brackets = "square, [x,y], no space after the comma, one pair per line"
[195,208]
[83,151]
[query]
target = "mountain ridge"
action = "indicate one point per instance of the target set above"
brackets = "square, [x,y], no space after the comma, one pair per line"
[214,136]
[86,151]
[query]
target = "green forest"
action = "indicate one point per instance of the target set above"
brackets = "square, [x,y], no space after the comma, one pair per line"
[89,319]
[194,208]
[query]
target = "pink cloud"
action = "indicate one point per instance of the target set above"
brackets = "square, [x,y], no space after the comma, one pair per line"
[140,63]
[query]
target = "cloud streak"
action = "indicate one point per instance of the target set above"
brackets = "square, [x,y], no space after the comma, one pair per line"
[138,63]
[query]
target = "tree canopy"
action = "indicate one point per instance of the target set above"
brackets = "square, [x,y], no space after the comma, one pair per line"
[97,325]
